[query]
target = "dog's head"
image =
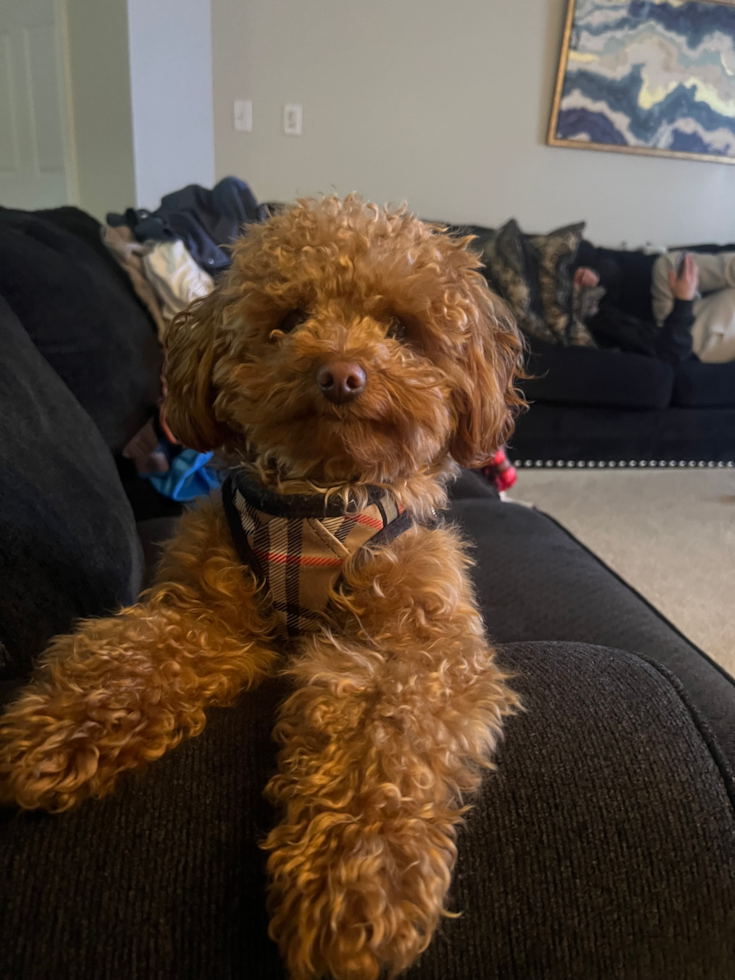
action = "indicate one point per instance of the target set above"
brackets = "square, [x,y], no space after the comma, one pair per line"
[346,343]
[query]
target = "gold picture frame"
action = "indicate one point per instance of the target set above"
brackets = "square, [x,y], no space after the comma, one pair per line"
[555,139]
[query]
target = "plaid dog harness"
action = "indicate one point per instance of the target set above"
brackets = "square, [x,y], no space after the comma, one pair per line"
[297,544]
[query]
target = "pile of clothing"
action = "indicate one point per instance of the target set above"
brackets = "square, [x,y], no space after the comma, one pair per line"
[171,256]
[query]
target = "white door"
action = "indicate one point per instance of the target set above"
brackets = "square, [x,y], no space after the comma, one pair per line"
[35,150]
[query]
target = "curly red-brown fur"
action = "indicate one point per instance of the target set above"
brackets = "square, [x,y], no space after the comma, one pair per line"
[123,690]
[388,731]
[354,269]
[397,704]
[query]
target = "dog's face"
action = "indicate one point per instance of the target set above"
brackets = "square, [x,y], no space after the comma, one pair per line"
[346,343]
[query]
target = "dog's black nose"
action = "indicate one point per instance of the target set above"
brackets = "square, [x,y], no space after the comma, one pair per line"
[341,381]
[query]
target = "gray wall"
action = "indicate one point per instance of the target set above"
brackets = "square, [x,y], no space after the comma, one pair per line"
[445,105]
[141,93]
[171,74]
[100,89]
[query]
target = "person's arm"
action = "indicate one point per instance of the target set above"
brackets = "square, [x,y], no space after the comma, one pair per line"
[674,342]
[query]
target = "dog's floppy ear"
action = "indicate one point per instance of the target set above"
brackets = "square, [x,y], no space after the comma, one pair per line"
[189,348]
[487,401]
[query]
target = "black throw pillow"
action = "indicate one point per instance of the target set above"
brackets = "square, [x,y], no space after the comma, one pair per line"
[84,320]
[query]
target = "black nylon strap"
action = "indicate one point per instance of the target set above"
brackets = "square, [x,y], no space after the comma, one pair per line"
[294,505]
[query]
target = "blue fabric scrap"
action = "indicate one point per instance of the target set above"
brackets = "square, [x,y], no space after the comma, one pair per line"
[188,477]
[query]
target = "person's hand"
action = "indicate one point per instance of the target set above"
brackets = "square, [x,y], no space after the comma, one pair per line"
[685,285]
[585,278]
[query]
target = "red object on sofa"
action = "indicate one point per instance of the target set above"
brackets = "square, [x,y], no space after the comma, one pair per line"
[500,471]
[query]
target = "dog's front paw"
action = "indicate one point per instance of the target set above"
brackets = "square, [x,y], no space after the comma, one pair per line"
[43,766]
[52,754]
[352,898]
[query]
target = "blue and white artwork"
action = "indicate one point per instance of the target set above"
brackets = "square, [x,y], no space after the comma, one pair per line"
[653,76]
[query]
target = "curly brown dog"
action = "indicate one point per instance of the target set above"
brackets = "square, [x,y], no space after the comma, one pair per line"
[348,360]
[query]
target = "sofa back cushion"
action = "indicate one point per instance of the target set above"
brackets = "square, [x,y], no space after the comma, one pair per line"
[68,544]
[85,321]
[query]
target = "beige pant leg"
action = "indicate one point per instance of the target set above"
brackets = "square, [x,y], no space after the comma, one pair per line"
[716,272]
[713,333]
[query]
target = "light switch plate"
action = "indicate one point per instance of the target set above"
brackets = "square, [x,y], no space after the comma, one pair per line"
[244,115]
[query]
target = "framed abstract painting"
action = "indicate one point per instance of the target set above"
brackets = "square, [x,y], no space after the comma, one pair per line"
[648,76]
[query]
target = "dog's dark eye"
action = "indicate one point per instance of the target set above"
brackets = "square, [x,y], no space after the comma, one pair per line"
[292,320]
[397,330]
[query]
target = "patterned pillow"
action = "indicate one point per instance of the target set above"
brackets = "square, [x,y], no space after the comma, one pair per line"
[511,270]
[556,254]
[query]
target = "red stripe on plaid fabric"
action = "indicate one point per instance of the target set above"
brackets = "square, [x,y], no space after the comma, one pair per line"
[369,521]
[280,559]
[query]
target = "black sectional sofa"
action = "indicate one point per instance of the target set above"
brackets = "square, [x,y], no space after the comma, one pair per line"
[602,407]
[603,846]
[596,406]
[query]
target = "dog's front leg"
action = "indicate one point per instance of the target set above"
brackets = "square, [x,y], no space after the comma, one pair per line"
[123,690]
[384,737]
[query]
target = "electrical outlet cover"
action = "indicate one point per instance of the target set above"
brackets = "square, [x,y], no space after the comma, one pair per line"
[292,120]
[244,115]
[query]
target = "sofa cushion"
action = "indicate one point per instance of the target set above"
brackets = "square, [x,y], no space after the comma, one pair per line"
[604,841]
[512,270]
[537,582]
[69,545]
[89,230]
[84,320]
[698,385]
[556,255]
[473,485]
[590,376]
[552,435]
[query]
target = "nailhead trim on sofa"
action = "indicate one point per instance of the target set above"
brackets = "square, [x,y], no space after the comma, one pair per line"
[559,464]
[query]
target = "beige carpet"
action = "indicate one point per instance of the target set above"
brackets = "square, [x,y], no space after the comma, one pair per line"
[670,534]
